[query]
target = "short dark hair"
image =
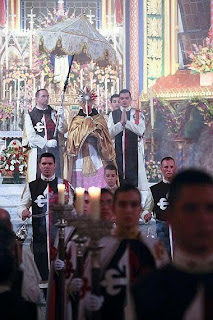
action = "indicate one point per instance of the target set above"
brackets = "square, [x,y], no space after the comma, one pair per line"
[105,190]
[7,265]
[5,219]
[114,96]
[7,237]
[167,159]
[186,178]
[46,155]
[111,167]
[125,91]
[38,92]
[125,188]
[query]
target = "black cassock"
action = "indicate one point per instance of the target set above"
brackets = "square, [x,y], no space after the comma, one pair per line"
[39,223]
[131,262]
[169,293]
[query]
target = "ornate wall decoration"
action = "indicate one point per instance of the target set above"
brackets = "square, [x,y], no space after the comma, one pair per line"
[154,48]
[134,50]
[154,67]
[154,7]
[154,27]
[154,42]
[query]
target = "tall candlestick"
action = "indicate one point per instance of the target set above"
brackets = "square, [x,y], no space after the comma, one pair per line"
[10,94]
[91,80]
[42,80]
[61,189]
[94,194]
[4,89]
[106,96]
[151,108]
[117,85]
[79,203]
[81,78]
[98,94]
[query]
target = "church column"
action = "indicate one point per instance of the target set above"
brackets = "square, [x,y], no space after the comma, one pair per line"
[134,51]
[211,21]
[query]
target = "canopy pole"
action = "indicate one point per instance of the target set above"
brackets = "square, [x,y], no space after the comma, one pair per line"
[63,93]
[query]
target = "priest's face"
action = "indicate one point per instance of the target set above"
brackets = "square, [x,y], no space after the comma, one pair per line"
[191,218]
[125,99]
[168,169]
[42,99]
[127,208]
[47,166]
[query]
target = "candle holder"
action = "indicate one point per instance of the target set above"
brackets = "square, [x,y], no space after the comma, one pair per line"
[94,230]
[64,212]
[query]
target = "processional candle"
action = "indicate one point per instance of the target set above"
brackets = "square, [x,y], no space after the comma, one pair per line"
[61,189]
[79,203]
[94,196]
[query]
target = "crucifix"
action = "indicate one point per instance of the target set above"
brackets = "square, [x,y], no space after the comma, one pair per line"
[31,22]
[90,16]
[31,16]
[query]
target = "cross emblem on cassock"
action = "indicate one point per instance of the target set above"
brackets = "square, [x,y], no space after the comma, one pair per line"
[39,126]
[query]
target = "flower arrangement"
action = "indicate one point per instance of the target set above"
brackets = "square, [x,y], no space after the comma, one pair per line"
[75,72]
[202,57]
[45,65]
[6,110]
[108,73]
[177,116]
[153,171]
[13,159]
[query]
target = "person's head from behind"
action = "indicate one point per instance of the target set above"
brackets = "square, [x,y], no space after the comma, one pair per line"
[7,238]
[47,164]
[190,211]
[106,201]
[127,206]
[7,265]
[168,168]
[115,101]
[110,175]
[5,219]
[42,98]
[125,98]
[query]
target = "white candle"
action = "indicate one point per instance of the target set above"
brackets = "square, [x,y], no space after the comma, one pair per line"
[61,189]
[94,195]
[151,109]
[79,202]
[81,79]
[106,97]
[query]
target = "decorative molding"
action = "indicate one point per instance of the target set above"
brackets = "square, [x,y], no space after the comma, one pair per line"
[154,7]
[154,27]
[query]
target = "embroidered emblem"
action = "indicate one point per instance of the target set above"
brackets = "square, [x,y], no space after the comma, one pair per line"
[39,127]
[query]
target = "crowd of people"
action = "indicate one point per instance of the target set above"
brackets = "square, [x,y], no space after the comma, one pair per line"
[167,273]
